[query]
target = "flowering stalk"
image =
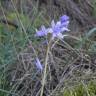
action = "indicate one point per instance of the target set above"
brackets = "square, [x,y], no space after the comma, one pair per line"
[45,69]
[55,31]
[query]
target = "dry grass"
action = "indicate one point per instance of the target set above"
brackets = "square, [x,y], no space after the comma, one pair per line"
[70,61]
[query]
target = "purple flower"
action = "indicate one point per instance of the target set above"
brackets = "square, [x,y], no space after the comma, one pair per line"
[64,21]
[41,32]
[64,18]
[56,29]
[38,64]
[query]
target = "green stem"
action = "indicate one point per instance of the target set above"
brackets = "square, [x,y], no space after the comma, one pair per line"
[45,69]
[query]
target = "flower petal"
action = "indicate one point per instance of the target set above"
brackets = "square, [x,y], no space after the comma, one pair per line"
[60,35]
[53,24]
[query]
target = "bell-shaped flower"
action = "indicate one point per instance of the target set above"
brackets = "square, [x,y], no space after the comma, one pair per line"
[41,32]
[64,21]
[57,29]
[38,64]
[64,18]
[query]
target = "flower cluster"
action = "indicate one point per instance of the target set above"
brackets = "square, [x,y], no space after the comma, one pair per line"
[56,29]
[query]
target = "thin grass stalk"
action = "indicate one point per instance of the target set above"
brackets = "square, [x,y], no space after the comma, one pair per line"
[45,69]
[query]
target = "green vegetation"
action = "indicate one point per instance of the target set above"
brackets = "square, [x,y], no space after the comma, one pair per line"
[94,7]
[81,90]
[14,41]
